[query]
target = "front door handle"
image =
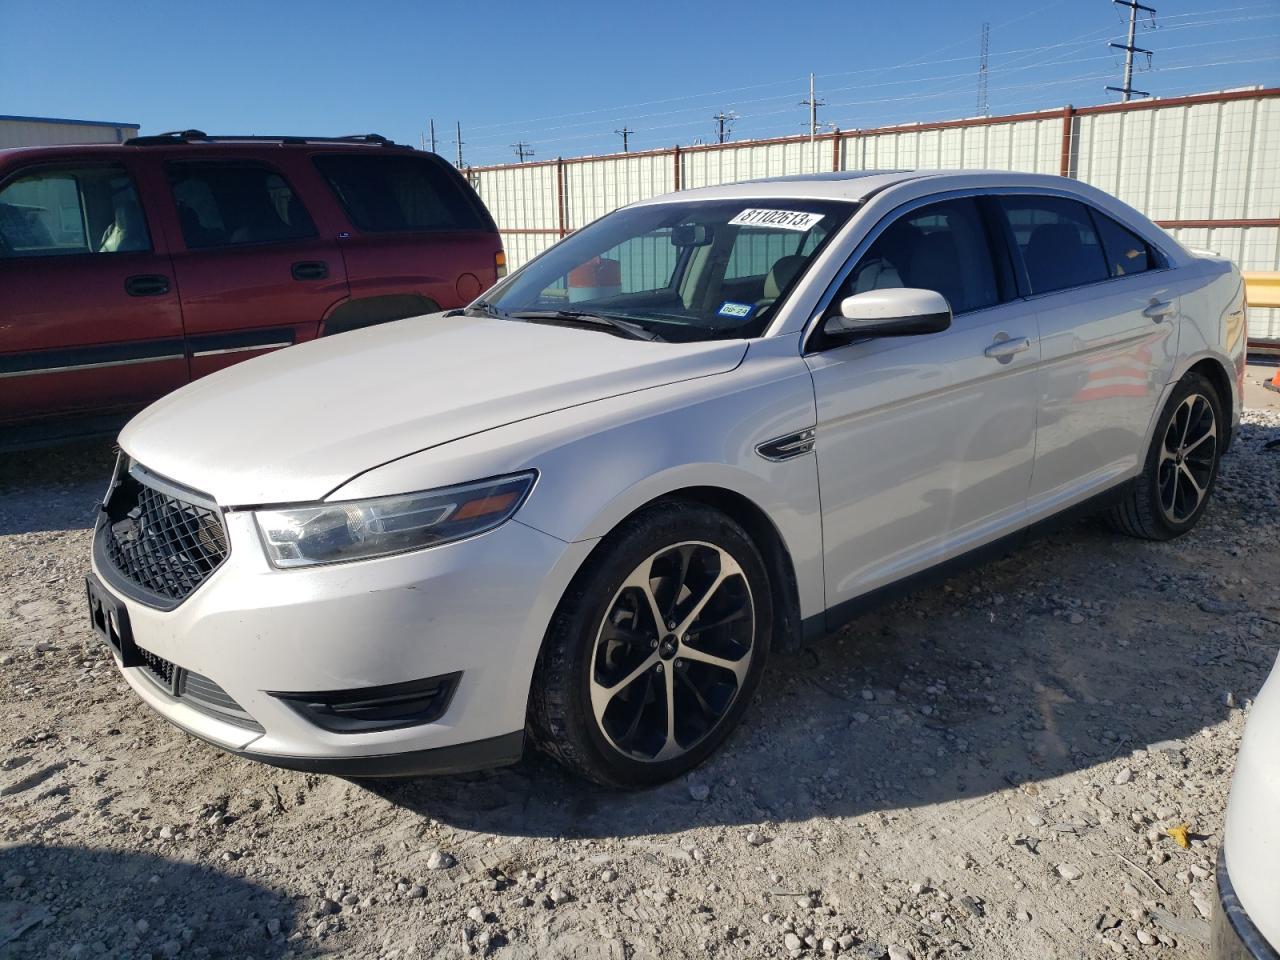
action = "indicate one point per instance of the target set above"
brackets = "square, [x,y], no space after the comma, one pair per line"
[310,270]
[147,285]
[1157,310]
[1006,349]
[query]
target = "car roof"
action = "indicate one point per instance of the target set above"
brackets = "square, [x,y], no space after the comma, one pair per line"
[857,185]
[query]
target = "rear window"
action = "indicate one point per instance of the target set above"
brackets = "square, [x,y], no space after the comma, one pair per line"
[386,194]
[1058,243]
[226,204]
[1127,253]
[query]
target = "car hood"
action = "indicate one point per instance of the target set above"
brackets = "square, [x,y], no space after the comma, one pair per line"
[294,425]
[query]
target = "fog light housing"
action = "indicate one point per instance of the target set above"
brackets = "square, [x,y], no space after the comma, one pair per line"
[369,709]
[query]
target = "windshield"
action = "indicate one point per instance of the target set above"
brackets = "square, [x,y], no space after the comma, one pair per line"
[698,270]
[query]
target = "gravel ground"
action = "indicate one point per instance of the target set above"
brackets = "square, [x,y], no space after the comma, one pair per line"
[984,768]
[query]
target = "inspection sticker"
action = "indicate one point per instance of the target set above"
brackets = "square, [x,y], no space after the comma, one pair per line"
[786,219]
[739,311]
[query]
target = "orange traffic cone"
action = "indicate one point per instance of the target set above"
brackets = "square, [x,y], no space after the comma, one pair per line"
[1274,383]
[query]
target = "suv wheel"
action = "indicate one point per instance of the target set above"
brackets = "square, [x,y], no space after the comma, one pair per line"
[656,649]
[1169,496]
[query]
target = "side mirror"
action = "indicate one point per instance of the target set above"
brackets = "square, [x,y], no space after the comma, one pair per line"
[892,312]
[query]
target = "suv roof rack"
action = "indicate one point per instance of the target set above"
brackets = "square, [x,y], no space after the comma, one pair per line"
[199,136]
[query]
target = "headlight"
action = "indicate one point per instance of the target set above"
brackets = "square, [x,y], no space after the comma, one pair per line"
[360,529]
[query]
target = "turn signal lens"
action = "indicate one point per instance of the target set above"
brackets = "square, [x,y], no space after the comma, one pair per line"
[362,529]
[500,264]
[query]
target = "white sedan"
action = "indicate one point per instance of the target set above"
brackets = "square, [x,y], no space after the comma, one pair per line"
[582,510]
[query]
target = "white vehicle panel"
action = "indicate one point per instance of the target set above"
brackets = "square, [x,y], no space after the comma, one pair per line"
[925,446]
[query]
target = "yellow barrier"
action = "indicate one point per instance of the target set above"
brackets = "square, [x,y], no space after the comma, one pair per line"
[1262,289]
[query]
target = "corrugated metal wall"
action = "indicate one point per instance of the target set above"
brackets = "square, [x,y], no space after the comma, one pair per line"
[1206,166]
[48,132]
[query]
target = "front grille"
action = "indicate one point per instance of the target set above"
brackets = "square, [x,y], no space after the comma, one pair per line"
[196,691]
[160,544]
[203,694]
[160,669]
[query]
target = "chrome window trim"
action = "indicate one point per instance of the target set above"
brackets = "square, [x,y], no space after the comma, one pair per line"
[92,366]
[812,326]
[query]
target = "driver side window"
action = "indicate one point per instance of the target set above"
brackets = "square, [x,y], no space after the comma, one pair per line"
[942,247]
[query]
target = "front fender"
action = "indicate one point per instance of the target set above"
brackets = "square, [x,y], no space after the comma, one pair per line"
[601,461]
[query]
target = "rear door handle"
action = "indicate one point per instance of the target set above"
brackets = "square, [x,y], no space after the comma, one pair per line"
[147,285]
[1157,310]
[1005,350]
[310,270]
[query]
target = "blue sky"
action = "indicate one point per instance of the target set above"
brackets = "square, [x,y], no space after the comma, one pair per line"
[565,76]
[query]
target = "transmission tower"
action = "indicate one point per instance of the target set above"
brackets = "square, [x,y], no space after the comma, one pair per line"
[1129,49]
[723,128]
[522,150]
[984,102]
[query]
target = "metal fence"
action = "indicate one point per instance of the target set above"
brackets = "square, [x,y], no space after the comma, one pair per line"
[1205,167]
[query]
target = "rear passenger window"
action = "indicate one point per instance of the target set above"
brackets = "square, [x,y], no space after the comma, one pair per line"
[229,204]
[942,247]
[385,194]
[1058,243]
[1127,253]
[68,210]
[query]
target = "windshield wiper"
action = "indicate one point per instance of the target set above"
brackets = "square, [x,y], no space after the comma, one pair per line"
[627,328]
[482,308]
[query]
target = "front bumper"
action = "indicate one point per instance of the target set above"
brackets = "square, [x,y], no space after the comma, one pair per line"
[1234,935]
[477,607]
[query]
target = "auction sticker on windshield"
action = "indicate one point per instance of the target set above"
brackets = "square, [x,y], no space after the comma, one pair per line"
[786,219]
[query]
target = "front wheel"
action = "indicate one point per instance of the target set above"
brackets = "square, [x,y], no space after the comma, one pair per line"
[1171,493]
[654,653]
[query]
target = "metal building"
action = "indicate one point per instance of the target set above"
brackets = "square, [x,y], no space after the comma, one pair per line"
[52,131]
[1206,167]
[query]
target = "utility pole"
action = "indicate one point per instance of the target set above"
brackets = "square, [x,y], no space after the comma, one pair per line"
[721,119]
[625,134]
[522,150]
[459,141]
[813,103]
[1129,49]
[433,135]
[984,102]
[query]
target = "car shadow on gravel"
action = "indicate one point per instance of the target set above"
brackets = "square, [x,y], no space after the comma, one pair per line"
[54,487]
[1076,650]
[76,902]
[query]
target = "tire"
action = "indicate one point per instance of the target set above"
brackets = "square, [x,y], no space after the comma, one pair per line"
[1169,496]
[608,665]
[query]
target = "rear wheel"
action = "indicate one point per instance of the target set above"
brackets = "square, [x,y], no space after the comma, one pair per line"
[656,650]
[1181,467]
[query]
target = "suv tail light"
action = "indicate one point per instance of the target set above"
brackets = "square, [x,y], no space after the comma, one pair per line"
[500,264]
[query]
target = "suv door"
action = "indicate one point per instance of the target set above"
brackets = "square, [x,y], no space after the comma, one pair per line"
[89,314]
[925,444]
[255,273]
[1106,309]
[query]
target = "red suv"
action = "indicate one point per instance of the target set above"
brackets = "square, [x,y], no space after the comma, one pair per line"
[128,269]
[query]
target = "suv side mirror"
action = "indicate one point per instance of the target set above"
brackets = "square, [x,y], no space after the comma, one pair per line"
[892,312]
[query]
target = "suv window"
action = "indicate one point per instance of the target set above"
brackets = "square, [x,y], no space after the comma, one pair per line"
[384,194]
[1127,253]
[66,210]
[223,204]
[1057,241]
[942,247]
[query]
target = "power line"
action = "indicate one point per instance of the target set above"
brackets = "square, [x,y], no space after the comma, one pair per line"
[522,150]
[625,134]
[1023,54]
[1129,49]
[723,125]
[984,102]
